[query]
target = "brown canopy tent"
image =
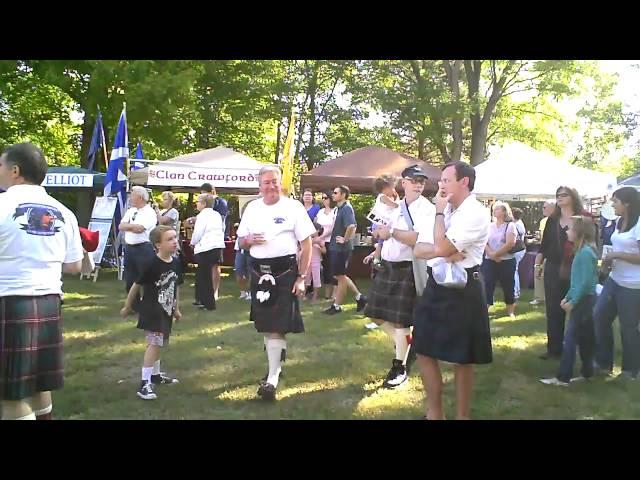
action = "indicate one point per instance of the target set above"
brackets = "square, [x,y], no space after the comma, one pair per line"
[358,170]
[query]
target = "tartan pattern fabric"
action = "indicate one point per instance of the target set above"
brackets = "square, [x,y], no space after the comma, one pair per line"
[31,357]
[452,324]
[284,316]
[392,295]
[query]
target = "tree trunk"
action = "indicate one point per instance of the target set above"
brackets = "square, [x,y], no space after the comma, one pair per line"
[313,121]
[478,144]
[421,146]
[278,139]
[85,197]
[453,77]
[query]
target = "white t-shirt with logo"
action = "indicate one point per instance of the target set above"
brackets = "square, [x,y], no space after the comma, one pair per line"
[624,273]
[423,215]
[145,216]
[37,235]
[283,224]
[467,228]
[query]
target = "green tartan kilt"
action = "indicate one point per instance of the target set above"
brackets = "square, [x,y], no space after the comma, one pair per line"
[31,358]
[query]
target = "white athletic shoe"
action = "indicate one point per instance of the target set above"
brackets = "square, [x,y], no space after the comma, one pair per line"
[243,295]
[554,381]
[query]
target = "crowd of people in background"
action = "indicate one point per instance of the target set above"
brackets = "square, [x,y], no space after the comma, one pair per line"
[435,267]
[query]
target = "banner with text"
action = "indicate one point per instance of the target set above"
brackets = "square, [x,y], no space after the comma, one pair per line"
[68,180]
[178,176]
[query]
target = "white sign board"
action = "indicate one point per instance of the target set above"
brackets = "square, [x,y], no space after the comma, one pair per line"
[178,176]
[74,180]
[101,221]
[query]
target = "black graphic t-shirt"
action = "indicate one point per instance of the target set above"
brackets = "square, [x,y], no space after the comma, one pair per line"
[160,285]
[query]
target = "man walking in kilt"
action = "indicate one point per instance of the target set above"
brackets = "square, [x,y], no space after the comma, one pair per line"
[271,229]
[393,292]
[39,239]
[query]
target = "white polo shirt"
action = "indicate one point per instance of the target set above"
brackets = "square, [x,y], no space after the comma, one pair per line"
[423,214]
[37,235]
[467,228]
[283,224]
[145,216]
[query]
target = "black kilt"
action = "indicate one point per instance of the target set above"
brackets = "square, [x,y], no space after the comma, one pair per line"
[393,294]
[284,315]
[452,324]
[31,358]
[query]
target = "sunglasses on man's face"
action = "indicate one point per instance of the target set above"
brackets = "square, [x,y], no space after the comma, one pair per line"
[336,193]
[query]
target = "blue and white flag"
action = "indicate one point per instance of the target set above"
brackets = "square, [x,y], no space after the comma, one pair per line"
[97,140]
[138,156]
[115,182]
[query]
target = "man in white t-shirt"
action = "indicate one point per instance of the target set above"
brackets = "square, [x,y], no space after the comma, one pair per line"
[272,228]
[39,239]
[452,324]
[136,224]
[393,293]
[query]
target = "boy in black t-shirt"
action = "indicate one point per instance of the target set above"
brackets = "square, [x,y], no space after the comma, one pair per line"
[159,306]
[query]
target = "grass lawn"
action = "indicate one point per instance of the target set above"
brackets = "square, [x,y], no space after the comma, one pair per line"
[333,371]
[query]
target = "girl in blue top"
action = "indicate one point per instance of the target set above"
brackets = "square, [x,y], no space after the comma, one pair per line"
[578,303]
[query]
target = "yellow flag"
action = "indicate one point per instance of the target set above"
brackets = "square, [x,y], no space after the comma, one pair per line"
[287,158]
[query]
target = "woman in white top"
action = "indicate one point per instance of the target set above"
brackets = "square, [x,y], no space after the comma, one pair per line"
[499,265]
[168,215]
[208,244]
[521,232]
[325,218]
[621,293]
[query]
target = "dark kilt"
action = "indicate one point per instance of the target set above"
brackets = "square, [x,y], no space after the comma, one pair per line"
[452,324]
[393,294]
[284,316]
[30,346]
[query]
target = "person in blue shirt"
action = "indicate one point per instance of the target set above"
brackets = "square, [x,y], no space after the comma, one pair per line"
[579,303]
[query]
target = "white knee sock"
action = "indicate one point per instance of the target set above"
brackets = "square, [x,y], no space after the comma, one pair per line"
[146,373]
[402,344]
[156,368]
[274,351]
[43,411]
[31,416]
[389,329]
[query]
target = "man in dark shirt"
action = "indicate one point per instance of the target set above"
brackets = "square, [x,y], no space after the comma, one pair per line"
[341,248]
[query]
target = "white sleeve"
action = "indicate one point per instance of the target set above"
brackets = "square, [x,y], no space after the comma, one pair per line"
[303,227]
[243,229]
[467,230]
[425,219]
[75,252]
[198,229]
[636,231]
[149,219]
[425,232]
[126,218]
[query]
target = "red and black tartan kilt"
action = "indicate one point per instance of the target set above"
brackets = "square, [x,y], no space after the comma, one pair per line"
[392,296]
[31,358]
[284,315]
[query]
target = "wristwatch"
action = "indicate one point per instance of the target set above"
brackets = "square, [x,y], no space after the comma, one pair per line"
[300,275]
[391,230]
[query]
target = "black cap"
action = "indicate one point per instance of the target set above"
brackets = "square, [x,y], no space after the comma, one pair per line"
[414,171]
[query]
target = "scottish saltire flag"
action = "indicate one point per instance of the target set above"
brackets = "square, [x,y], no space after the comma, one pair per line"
[97,141]
[115,182]
[138,155]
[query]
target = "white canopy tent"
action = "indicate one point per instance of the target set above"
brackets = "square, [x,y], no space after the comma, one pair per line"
[632,181]
[222,167]
[518,172]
